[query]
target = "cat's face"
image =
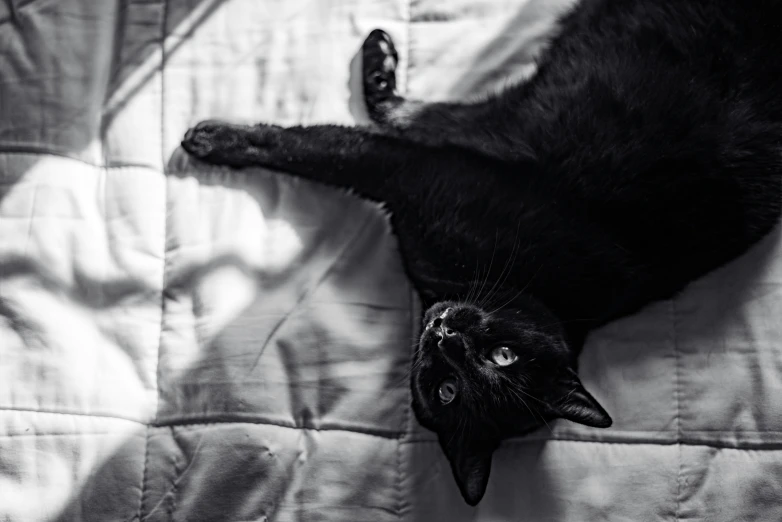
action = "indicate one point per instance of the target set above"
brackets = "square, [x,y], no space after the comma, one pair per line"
[481,377]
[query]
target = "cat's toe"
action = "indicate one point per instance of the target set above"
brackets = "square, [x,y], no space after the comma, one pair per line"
[201,140]
[378,46]
[234,145]
[380,60]
[221,143]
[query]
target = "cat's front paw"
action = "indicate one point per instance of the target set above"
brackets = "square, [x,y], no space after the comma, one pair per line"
[211,139]
[222,143]
[379,63]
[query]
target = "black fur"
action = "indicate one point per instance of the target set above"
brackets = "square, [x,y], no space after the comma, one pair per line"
[644,153]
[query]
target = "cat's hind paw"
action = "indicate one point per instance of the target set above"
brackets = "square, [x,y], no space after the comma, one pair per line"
[379,63]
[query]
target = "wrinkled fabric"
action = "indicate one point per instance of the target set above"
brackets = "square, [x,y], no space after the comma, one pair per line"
[184,342]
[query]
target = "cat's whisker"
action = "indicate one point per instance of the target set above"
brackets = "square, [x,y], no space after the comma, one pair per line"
[416,365]
[482,302]
[527,394]
[533,412]
[517,294]
[521,399]
[511,260]
[495,397]
[485,411]
[508,267]
[474,282]
[481,277]
[569,321]
[542,418]
[480,280]
[404,379]
[491,264]
[459,428]
[414,344]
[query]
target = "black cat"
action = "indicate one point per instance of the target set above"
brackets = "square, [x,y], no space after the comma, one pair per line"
[645,152]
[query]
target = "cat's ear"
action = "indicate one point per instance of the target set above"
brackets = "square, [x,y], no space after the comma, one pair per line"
[471,465]
[576,404]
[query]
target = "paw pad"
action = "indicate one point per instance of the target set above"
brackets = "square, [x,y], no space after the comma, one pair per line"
[380,60]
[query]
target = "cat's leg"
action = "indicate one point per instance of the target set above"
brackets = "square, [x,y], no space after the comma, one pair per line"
[346,157]
[482,127]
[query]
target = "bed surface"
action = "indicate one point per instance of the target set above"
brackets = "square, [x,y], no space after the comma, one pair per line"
[185,342]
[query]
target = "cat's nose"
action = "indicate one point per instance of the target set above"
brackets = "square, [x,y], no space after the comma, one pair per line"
[448,338]
[438,321]
[445,331]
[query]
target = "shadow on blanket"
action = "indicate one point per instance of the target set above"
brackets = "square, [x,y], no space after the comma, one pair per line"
[85,104]
[215,455]
[218,448]
[206,468]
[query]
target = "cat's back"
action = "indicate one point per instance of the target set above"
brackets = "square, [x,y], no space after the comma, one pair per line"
[632,75]
[661,122]
[673,89]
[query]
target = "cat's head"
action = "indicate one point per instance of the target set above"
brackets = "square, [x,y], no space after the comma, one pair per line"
[480,377]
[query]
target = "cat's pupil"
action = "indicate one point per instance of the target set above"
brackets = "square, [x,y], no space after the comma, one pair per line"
[503,356]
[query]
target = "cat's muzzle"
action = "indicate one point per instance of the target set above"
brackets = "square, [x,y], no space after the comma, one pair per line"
[447,338]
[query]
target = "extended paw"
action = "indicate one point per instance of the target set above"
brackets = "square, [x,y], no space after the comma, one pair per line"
[223,143]
[379,62]
[211,139]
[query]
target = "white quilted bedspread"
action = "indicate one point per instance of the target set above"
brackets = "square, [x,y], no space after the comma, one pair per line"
[182,342]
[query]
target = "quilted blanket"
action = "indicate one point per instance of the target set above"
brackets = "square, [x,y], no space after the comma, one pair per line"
[192,343]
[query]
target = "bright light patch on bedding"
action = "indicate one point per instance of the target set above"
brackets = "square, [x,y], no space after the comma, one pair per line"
[257,331]
[53,484]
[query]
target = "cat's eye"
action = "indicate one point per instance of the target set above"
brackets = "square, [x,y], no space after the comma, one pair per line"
[503,356]
[448,389]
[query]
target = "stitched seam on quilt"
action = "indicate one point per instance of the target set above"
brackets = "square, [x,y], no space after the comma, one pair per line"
[118,41]
[759,447]
[677,395]
[405,438]
[40,150]
[163,163]
[174,485]
[200,424]
[178,473]
[144,476]
[401,505]
[200,420]
[142,497]
[168,498]
[164,261]
[88,414]
[409,46]
[120,28]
